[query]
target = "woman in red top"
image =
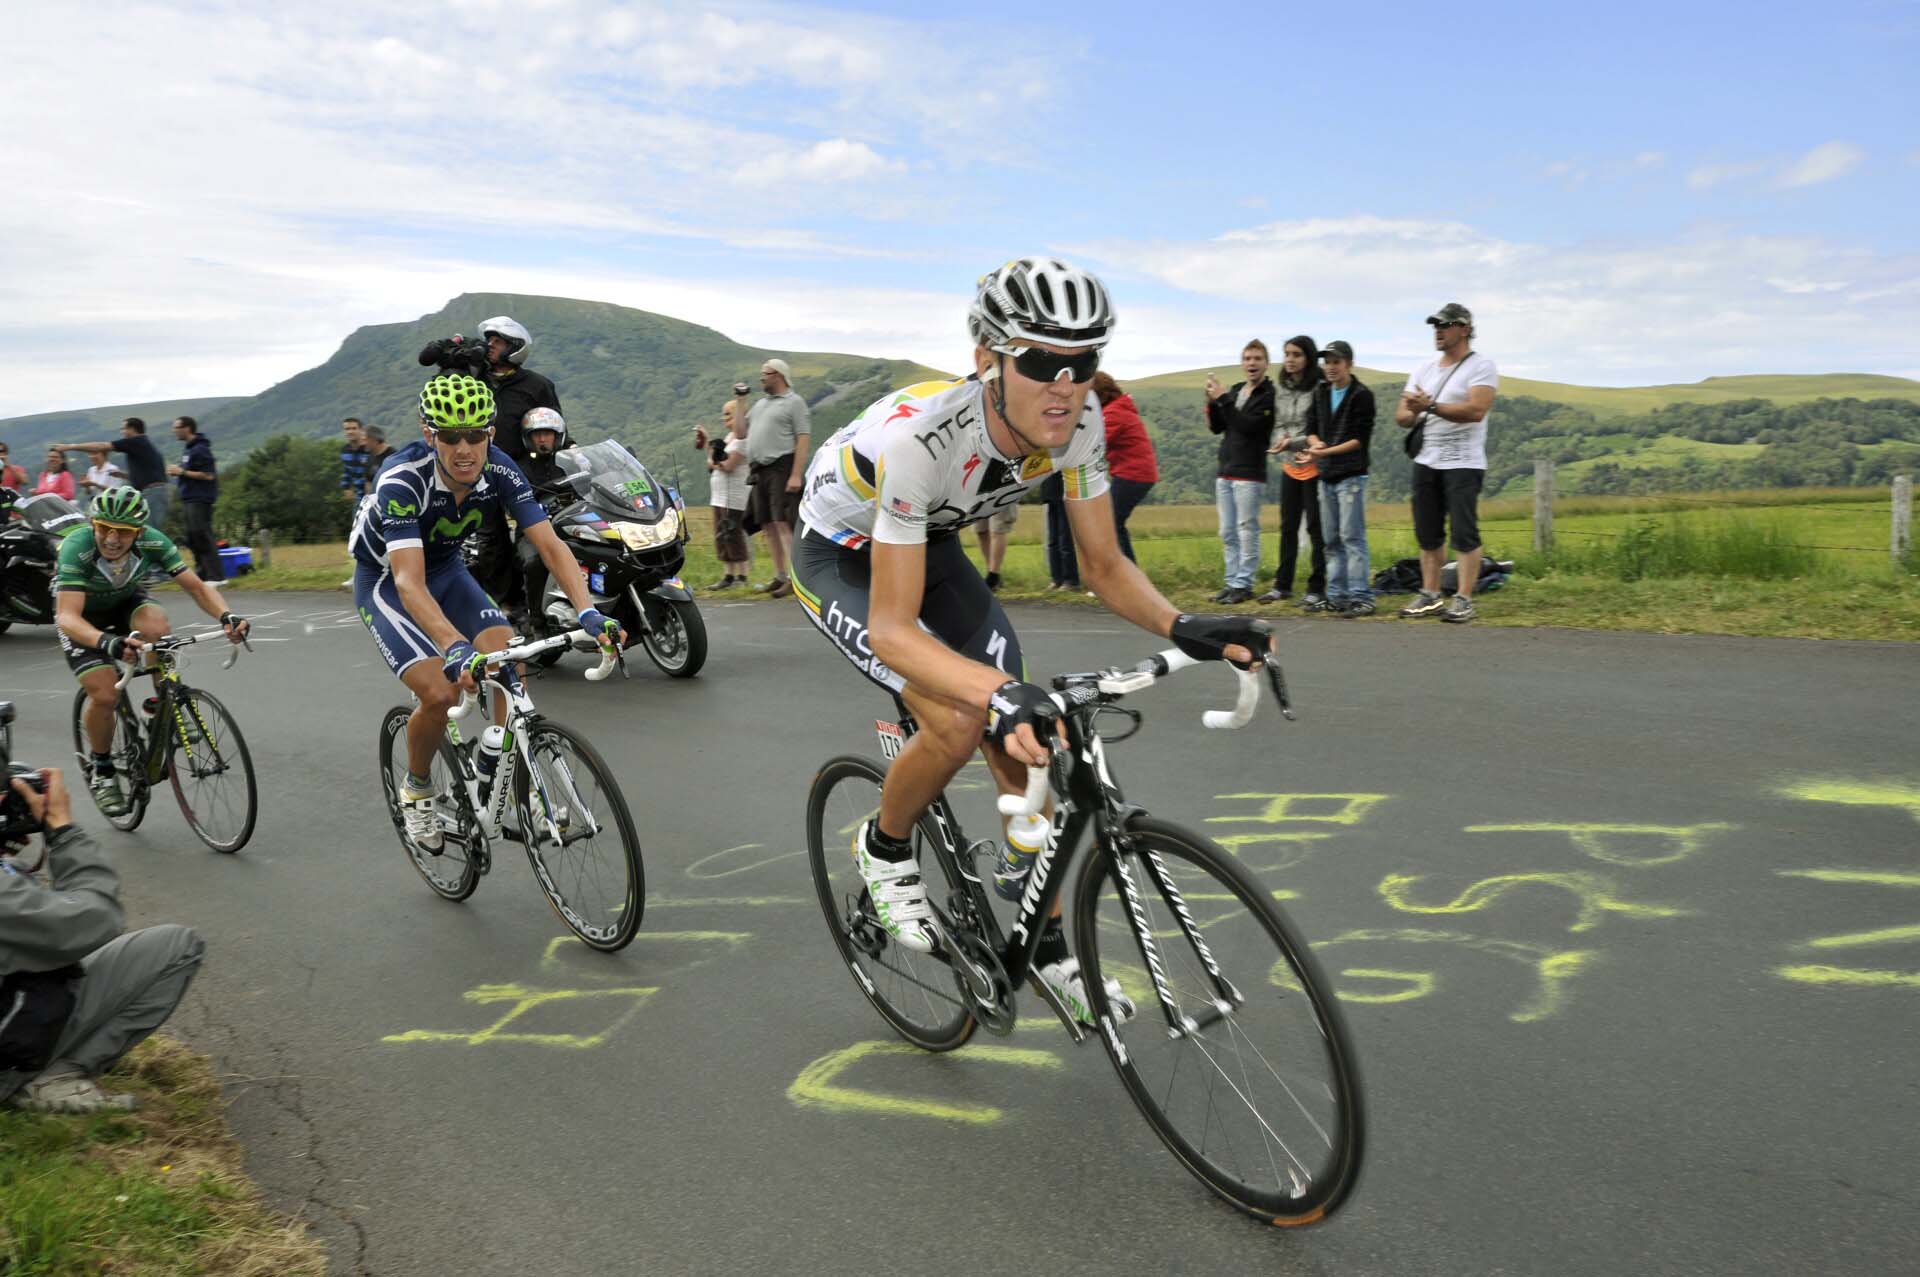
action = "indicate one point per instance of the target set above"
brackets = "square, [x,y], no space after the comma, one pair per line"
[54,477]
[1131,466]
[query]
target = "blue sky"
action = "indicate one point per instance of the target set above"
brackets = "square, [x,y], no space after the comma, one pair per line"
[1624,194]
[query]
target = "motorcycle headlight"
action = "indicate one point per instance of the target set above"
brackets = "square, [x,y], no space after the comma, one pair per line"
[644,536]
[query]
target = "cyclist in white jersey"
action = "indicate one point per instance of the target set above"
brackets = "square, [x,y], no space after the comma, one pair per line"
[880,569]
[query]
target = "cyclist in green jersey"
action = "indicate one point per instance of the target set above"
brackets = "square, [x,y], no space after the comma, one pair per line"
[104,615]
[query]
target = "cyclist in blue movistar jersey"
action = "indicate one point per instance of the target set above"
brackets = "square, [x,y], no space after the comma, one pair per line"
[878,564]
[430,619]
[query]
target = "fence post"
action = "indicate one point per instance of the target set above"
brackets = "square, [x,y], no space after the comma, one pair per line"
[1542,506]
[262,548]
[1902,543]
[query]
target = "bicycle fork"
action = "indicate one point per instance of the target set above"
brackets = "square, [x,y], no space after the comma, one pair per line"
[1226,996]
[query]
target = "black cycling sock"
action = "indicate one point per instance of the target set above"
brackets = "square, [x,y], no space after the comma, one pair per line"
[1053,945]
[103,764]
[887,848]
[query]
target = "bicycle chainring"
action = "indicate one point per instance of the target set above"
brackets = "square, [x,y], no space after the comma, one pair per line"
[982,981]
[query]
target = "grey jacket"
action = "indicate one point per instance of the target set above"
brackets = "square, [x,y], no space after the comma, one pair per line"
[43,927]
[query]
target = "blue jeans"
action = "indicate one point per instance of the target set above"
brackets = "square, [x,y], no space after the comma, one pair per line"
[1343,524]
[1238,501]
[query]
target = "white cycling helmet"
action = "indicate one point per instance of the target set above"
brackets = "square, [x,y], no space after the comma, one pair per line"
[1040,299]
[545,419]
[517,337]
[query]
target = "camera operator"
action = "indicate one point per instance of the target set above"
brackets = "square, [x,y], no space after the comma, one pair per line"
[75,999]
[497,357]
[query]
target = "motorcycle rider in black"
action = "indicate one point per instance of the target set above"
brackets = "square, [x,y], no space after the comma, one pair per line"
[545,433]
[497,357]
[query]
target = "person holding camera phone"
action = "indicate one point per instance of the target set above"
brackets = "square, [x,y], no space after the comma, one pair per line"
[727,489]
[75,994]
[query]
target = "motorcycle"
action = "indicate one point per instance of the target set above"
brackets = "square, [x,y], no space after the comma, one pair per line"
[628,533]
[31,529]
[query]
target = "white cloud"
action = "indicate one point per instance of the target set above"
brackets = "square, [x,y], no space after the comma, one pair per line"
[1594,313]
[835,160]
[1708,176]
[1823,163]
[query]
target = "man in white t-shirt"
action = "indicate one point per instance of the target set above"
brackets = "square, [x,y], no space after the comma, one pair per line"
[1447,402]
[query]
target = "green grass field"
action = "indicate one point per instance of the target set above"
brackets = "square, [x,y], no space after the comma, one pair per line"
[1623,401]
[1810,563]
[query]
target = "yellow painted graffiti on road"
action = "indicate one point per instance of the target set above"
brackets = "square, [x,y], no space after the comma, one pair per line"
[1615,843]
[523,1001]
[1550,967]
[724,863]
[1595,895]
[1852,793]
[1856,977]
[819,1087]
[1341,809]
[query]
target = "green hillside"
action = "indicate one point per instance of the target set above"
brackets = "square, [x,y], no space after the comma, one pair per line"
[28,435]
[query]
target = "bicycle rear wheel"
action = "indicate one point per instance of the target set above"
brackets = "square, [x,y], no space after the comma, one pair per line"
[455,872]
[129,751]
[914,992]
[580,837]
[1259,1095]
[211,770]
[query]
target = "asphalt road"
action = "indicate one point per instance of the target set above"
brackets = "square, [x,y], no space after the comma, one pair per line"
[1626,925]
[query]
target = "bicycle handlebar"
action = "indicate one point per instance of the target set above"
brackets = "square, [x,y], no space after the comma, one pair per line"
[525,651]
[1142,676]
[167,643]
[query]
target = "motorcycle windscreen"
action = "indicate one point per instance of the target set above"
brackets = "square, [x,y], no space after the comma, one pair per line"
[51,513]
[607,474]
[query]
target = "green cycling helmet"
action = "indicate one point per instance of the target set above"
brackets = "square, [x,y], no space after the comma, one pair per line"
[119,505]
[455,401]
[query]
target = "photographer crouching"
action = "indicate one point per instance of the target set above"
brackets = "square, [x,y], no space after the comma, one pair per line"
[74,999]
[497,356]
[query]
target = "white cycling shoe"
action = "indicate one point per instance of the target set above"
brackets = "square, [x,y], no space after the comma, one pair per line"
[898,893]
[420,812]
[1063,978]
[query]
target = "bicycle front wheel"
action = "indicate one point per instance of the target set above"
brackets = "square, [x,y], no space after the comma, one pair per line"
[580,837]
[129,753]
[211,770]
[1236,1054]
[455,872]
[914,992]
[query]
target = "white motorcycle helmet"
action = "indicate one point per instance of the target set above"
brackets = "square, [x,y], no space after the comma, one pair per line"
[516,336]
[545,419]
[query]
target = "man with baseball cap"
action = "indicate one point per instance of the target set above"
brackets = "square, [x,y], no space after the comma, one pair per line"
[778,432]
[1444,408]
[1339,425]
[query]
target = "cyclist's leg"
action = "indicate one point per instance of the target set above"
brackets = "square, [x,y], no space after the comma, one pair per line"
[468,608]
[413,658]
[97,674]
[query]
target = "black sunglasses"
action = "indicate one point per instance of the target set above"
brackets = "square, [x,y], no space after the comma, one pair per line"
[460,436]
[1044,365]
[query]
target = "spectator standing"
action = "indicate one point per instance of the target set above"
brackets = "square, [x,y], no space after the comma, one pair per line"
[994,532]
[1242,415]
[1063,565]
[199,481]
[1339,428]
[1445,407]
[54,477]
[101,472]
[727,491]
[355,475]
[378,453]
[1132,468]
[80,994]
[779,430]
[11,476]
[1299,477]
[146,469]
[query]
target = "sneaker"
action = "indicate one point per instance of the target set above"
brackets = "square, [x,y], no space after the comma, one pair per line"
[68,1092]
[1220,596]
[766,587]
[724,583]
[781,589]
[420,811]
[107,796]
[1424,604]
[1237,594]
[899,895]
[1361,607]
[993,581]
[1315,603]
[1275,596]
[1063,978]
[1459,610]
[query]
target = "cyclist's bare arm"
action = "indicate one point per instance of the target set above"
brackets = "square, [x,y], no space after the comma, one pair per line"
[210,600]
[69,617]
[409,566]
[1118,580]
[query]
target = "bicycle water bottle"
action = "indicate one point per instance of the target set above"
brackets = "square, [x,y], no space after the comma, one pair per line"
[494,790]
[1027,836]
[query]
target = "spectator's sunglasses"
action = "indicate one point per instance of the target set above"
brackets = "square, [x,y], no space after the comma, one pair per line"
[461,436]
[1448,323]
[1044,365]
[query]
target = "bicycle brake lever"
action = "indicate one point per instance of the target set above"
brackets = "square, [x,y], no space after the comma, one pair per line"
[1279,682]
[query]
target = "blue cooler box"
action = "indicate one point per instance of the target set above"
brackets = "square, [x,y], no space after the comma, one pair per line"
[235,559]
